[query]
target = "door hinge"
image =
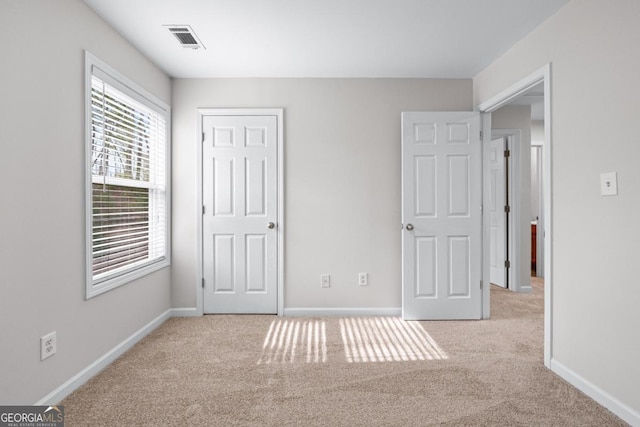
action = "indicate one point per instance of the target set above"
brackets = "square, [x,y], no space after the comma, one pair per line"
[507,264]
[203,283]
[203,137]
[507,208]
[481,135]
[203,209]
[507,153]
[480,284]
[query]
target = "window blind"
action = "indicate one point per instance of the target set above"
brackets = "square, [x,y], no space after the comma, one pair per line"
[128,182]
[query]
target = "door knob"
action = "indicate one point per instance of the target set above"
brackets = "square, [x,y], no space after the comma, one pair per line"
[409,227]
[271,225]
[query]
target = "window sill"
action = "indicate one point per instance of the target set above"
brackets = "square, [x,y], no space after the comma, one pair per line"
[94,290]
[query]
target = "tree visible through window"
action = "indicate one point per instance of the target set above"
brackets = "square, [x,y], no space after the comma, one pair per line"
[128,182]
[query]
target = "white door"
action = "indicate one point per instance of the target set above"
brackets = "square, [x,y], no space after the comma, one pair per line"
[441,215]
[497,213]
[239,225]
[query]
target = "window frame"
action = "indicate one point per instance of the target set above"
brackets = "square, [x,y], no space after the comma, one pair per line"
[128,87]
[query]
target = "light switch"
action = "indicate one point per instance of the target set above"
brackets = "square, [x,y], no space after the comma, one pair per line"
[609,184]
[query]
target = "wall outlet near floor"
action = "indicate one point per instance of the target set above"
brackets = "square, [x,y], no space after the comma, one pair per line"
[48,345]
[363,279]
[325,280]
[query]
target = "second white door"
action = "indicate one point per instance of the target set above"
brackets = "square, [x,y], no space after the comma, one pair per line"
[497,213]
[441,202]
[240,191]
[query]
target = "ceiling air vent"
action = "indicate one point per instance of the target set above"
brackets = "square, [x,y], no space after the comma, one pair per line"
[186,36]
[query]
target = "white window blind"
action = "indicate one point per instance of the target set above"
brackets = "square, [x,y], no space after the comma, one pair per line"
[128,167]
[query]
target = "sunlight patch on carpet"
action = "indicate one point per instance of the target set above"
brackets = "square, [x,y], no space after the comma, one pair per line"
[387,339]
[291,341]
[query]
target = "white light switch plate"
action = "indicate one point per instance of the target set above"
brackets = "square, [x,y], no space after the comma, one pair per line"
[325,280]
[609,184]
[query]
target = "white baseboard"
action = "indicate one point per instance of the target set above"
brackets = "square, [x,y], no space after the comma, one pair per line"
[342,312]
[623,411]
[185,312]
[87,373]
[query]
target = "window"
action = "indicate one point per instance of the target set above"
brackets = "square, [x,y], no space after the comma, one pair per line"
[127,219]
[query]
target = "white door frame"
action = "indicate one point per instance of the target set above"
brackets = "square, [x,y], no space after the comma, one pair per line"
[494,103]
[279,113]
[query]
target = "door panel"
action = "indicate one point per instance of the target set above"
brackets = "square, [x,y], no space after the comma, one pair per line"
[459,191]
[426,267]
[458,260]
[425,186]
[255,191]
[223,263]
[256,263]
[240,201]
[441,200]
[223,188]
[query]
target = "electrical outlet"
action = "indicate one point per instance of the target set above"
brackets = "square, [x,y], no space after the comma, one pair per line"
[363,279]
[48,345]
[325,280]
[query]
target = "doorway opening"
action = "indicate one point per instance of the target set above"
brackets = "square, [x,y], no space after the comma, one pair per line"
[537,85]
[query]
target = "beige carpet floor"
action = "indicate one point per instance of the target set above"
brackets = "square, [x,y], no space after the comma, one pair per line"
[269,371]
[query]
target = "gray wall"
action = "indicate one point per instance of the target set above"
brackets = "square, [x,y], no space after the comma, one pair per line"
[42,282]
[593,48]
[342,179]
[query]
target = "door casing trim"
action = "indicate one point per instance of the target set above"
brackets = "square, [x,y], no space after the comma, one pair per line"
[279,114]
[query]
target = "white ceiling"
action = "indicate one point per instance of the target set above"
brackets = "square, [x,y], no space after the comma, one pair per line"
[327,38]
